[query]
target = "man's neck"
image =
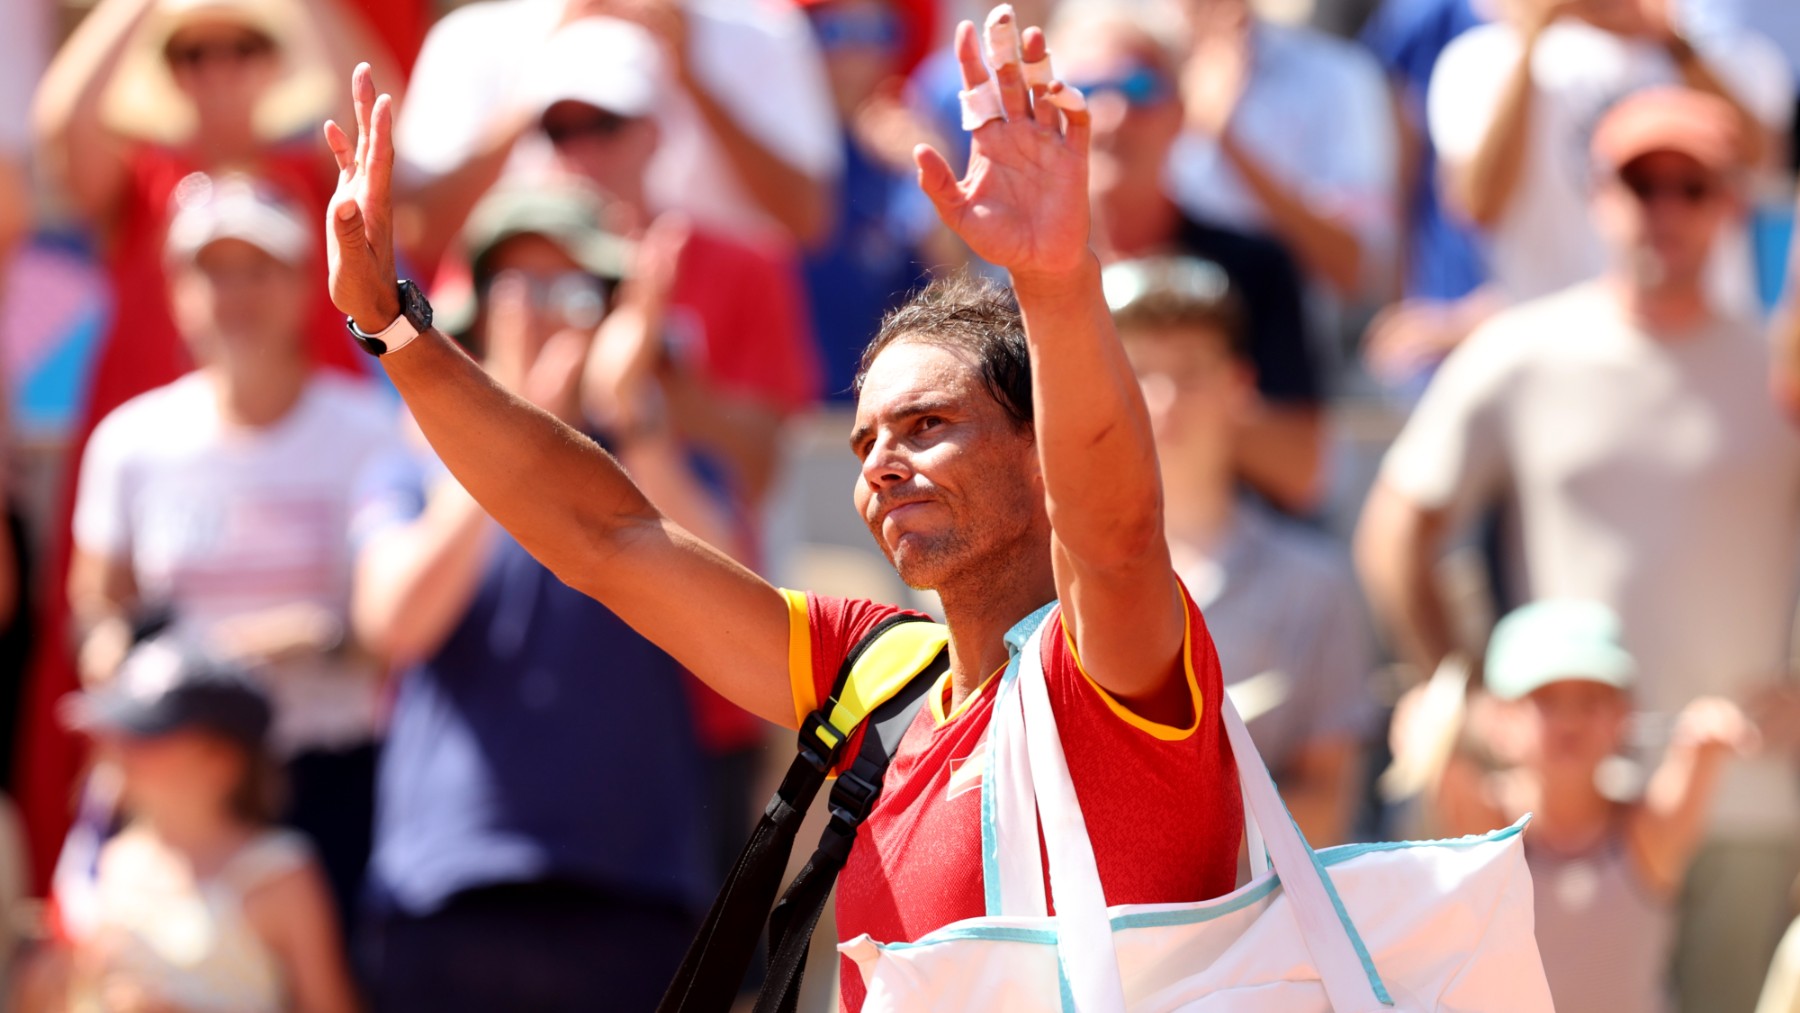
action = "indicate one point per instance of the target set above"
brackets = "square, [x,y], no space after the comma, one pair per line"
[1134,221]
[257,397]
[1664,311]
[980,612]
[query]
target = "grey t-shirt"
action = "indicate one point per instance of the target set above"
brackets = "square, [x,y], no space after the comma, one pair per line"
[1283,609]
[1654,475]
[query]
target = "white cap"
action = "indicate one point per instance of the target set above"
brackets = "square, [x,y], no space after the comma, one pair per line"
[208,209]
[602,62]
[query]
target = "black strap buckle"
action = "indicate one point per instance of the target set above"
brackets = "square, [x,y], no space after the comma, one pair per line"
[815,731]
[854,795]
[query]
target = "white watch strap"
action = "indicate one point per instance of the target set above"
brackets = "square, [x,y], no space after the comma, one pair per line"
[396,335]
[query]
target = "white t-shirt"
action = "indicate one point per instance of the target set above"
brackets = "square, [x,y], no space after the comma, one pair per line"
[1654,475]
[757,58]
[1316,115]
[220,522]
[1545,240]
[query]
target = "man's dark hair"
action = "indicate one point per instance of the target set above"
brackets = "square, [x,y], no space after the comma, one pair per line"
[967,313]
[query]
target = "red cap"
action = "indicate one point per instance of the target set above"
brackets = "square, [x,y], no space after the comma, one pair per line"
[1693,123]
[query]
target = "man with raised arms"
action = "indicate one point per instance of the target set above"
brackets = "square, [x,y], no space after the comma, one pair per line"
[1006,461]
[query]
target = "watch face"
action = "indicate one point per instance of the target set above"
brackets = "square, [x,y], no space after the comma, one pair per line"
[414,306]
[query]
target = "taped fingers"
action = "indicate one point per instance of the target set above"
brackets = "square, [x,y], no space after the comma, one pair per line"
[1039,73]
[980,105]
[1003,55]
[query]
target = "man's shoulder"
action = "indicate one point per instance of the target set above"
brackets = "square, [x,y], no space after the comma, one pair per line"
[175,407]
[353,404]
[1480,48]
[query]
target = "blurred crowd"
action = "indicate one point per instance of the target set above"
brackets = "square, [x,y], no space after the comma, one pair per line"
[1460,323]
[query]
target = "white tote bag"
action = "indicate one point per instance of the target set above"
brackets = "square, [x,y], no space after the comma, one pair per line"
[1414,926]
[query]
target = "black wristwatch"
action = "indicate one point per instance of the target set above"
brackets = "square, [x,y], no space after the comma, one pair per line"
[414,320]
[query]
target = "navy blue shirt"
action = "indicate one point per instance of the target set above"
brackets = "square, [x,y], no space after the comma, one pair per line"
[544,741]
[869,265]
[1444,257]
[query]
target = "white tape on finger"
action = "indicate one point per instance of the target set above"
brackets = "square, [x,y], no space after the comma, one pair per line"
[981,104]
[1067,99]
[1002,31]
[1038,73]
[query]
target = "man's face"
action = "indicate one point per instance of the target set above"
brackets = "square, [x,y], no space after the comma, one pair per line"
[1660,214]
[222,67]
[860,40]
[949,485]
[236,301]
[611,151]
[1197,392]
[1131,92]
[1573,724]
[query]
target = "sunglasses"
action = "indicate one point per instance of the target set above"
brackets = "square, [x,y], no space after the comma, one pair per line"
[1139,86]
[576,298]
[843,30]
[1689,190]
[601,125]
[239,50]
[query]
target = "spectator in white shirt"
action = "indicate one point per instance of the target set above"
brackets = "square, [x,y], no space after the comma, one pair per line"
[1290,133]
[1626,428]
[750,140]
[220,504]
[1512,104]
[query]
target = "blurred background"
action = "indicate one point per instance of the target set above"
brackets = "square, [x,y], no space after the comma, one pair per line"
[1444,309]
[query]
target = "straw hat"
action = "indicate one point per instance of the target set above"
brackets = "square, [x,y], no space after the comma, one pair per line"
[144,102]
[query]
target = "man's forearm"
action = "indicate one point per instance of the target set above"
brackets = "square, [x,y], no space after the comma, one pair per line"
[1395,556]
[1326,248]
[1094,439]
[1485,186]
[413,587]
[802,204]
[1754,137]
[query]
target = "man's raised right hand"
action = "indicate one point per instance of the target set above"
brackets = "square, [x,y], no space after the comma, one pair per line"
[359,228]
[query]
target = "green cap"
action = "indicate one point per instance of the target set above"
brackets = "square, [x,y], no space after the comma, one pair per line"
[1556,640]
[567,214]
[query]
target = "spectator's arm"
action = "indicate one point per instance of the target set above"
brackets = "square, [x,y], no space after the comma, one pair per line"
[566,501]
[414,583]
[430,212]
[1484,185]
[1397,545]
[802,204]
[1320,788]
[78,150]
[1670,825]
[744,431]
[102,593]
[1327,247]
[294,914]
[1281,455]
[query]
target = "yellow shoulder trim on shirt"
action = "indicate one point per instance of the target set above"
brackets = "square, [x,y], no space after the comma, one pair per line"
[1167,733]
[941,689]
[800,665]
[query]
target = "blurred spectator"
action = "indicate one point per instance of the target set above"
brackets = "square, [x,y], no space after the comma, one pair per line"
[219,502]
[877,250]
[736,333]
[1440,254]
[197,905]
[1130,78]
[933,85]
[144,93]
[751,143]
[1279,599]
[1290,132]
[1625,427]
[1512,106]
[1604,872]
[541,839]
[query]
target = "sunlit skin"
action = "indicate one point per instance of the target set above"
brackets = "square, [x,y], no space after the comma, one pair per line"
[239,307]
[184,778]
[226,86]
[949,485]
[1568,728]
[1664,241]
[1199,396]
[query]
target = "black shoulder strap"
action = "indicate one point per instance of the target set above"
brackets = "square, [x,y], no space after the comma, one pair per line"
[713,970]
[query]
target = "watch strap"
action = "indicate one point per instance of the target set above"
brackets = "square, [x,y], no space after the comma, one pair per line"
[391,338]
